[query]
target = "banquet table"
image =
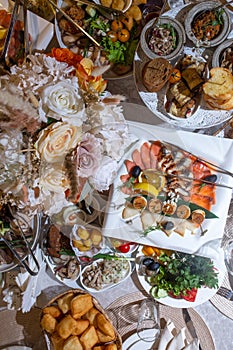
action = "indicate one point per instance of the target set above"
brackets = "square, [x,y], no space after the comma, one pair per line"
[23,328]
[217,313]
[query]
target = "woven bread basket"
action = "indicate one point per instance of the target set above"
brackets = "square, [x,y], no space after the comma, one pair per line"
[53,302]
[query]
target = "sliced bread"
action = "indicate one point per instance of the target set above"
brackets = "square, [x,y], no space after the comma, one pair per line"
[220,84]
[214,103]
[156,73]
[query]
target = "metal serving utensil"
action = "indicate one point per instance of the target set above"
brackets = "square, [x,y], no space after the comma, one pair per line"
[22,260]
[14,14]
[160,13]
[202,160]
[187,178]
[74,23]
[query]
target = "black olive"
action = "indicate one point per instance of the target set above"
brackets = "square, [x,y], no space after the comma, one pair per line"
[154,266]
[168,225]
[211,178]
[135,172]
[147,261]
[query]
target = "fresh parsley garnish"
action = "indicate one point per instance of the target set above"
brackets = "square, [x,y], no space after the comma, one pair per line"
[180,272]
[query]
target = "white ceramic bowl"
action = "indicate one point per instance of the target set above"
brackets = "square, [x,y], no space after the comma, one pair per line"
[196,11]
[146,34]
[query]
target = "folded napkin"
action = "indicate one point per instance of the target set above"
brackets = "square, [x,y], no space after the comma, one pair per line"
[29,286]
[166,335]
[171,339]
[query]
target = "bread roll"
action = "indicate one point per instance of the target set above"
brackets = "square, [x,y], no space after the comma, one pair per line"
[156,73]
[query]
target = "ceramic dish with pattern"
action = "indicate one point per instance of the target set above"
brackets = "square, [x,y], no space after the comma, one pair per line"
[165,39]
[206,26]
[223,55]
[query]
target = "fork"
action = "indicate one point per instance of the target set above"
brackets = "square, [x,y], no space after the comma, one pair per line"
[226,293]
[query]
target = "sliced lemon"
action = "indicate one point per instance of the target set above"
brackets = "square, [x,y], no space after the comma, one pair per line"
[145,188]
[151,176]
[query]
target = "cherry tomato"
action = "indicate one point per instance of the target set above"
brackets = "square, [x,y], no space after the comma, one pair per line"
[113,36]
[116,25]
[124,248]
[123,35]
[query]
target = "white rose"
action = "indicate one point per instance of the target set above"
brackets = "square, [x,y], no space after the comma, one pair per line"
[57,140]
[53,179]
[62,101]
[105,174]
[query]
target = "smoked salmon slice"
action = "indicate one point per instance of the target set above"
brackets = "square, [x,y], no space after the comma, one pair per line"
[137,158]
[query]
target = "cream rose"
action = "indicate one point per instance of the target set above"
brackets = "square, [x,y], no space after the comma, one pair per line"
[62,101]
[53,179]
[57,140]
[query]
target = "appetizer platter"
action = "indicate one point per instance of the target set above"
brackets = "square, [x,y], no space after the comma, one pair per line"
[168,277]
[86,260]
[143,206]
[192,111]
[118,37]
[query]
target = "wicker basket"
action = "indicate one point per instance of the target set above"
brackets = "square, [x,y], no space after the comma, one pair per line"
[76,292]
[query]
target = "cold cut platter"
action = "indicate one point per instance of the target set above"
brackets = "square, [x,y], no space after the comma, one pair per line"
[163,196]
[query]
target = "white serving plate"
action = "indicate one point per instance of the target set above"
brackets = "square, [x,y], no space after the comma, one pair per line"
[105,286]
[217,150]
[133,342]
[67,281]
[203,293]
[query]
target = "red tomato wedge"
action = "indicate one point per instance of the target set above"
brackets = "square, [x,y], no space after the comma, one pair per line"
[190,295]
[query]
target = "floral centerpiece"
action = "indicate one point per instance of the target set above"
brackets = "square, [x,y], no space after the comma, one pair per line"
[57,132]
